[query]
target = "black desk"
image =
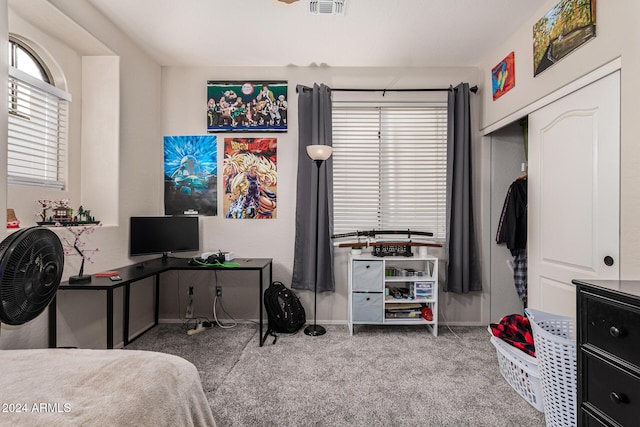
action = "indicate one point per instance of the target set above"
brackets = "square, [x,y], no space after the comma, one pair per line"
[152,268]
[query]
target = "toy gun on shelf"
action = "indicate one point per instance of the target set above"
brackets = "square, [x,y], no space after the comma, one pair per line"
[374,233]
[385,247]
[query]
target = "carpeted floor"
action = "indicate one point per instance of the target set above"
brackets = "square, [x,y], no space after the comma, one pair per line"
[381,376]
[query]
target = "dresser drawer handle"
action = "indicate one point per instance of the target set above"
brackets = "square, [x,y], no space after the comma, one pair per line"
[617,398]
[614,332]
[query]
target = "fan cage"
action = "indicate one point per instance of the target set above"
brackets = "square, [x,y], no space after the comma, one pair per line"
[31,265]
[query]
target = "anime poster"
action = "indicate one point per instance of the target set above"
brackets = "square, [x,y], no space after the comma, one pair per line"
[566,27]
[190,175]
[503,76]
[250,179]
[247,106]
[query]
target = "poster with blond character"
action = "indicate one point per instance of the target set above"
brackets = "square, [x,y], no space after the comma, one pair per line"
[250,178]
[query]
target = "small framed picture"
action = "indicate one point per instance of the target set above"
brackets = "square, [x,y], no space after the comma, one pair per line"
[503,76]
[247,106]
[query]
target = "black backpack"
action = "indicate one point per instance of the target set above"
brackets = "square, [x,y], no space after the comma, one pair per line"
[284,310]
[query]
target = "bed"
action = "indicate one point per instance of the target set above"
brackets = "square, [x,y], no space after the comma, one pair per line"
[48,387]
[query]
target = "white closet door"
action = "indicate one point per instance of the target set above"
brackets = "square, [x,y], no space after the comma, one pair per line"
[574,194]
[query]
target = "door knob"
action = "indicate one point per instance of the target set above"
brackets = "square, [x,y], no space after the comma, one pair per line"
[608,261]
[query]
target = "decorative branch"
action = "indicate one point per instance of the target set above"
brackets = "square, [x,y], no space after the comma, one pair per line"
[78,245]
[45,205]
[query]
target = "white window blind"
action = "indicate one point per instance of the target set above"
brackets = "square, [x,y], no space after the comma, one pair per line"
[389,167]
[38,117]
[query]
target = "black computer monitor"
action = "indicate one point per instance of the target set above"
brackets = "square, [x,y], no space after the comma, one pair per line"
[163,235]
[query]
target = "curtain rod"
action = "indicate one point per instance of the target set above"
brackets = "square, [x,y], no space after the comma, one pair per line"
[473,89]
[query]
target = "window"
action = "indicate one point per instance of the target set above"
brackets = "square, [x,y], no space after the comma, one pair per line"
[389,167]
[38,114]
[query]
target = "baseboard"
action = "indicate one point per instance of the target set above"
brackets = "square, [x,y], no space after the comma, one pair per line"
[322,322]
[222,320]
[135,334]
[441,324]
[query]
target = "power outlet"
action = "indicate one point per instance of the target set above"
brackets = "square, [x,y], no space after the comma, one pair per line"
[218,291]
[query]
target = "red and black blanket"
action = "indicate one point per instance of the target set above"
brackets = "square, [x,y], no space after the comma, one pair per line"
[515,330]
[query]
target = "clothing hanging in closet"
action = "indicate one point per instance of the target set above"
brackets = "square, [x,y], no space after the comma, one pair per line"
[512,230]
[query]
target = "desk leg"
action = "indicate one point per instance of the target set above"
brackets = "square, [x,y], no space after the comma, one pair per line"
[261,300]
[260,337]
[53,324]
[109,318]
[156,309]
[125,308]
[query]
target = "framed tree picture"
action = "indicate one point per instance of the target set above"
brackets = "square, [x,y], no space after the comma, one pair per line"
[249,106]
[567,26]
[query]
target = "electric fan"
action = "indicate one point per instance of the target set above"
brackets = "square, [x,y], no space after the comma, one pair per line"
[31,264]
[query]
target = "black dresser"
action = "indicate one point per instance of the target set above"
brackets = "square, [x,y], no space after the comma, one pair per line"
[608,321]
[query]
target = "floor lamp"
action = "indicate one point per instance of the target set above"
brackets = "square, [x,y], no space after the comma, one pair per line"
[317,153]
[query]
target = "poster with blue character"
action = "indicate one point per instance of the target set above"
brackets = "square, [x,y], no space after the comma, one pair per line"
[190,175]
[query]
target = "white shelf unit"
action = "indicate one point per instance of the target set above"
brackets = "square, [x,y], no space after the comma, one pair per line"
[392,290]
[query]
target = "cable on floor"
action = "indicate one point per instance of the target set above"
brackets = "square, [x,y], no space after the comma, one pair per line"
[233,323]
[447,325]
[193,323]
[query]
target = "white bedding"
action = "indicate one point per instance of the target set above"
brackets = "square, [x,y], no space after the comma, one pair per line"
[61,387]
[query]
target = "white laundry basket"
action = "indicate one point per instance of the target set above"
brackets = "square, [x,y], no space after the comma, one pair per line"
[519,370]
[554,338]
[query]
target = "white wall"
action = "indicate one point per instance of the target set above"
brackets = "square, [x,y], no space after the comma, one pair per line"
[139,143]
[100,137]
[617,36]
[22,198]
[4,75]
[183,103]
[157,101]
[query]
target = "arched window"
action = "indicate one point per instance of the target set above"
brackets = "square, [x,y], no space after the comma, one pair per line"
[38,115]
[23,58]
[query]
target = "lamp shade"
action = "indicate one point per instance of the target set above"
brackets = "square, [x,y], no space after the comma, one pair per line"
[319,152]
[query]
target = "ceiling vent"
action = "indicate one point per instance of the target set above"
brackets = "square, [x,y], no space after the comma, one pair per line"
[327,7]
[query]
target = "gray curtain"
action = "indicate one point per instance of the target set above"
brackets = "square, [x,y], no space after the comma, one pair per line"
[462,269]
[314,127]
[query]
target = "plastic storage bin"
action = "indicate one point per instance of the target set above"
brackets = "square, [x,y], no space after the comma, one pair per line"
[421,290]
[555,339]
[519,370]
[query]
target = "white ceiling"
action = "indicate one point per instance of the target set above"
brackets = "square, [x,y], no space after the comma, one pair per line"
[415,33]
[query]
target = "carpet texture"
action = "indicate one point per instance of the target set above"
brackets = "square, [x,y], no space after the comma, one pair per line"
[381,376]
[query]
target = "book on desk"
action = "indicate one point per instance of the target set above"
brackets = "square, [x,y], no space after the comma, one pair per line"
[107,273]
